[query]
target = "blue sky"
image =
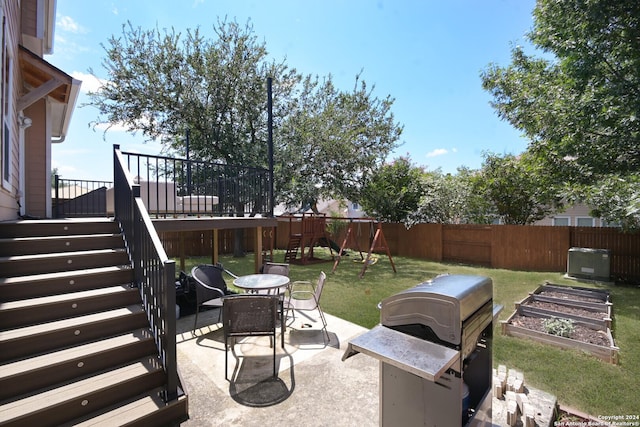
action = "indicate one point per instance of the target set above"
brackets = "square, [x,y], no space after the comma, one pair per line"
[427,54]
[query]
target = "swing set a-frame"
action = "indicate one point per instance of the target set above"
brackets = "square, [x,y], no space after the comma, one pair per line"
[378,243]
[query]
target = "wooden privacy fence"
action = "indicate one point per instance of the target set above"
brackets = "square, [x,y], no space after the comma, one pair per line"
[512,247]
[200,243]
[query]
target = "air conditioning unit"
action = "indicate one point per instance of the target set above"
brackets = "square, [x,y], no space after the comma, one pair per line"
[588,263]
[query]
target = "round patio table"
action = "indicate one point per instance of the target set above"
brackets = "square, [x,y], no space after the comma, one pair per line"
[255,283]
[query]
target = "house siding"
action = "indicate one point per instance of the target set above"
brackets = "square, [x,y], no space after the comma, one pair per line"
[29,18]
[573,213]
[36,162]
[9,194]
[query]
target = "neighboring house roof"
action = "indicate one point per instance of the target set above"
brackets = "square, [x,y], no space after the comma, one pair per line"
[328,207]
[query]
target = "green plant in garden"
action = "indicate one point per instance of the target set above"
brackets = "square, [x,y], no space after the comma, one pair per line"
[558,326]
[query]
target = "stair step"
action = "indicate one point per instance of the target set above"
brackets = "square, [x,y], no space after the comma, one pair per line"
[47,369]
[62,404]
[57,227]
[19,342]
[75,342]
[50,244]
[61,261]
[37,310]
[148,409]
[36,285]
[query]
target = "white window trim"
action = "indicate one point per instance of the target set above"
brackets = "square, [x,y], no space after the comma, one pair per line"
[568,218]
[6,110]
[605,223]
[592,219]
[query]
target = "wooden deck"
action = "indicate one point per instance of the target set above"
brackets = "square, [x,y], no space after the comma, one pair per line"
[215,224]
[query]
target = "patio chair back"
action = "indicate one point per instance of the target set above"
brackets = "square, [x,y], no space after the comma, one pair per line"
[247,315]
[322,279]
[210,288]
[276,268]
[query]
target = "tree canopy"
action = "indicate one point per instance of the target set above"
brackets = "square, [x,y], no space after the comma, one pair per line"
[579,103]
[517,187]
[393,191]
[163,83]
[332,140]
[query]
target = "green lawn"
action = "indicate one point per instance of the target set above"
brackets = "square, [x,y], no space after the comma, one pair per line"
[577,379]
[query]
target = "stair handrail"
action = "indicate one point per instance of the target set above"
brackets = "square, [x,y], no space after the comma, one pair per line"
[154,272]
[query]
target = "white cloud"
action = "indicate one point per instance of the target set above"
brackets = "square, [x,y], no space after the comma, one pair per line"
[90,83]
[440,152]
[67,24]
[437,152]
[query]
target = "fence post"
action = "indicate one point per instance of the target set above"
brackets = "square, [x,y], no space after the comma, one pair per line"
[57,182]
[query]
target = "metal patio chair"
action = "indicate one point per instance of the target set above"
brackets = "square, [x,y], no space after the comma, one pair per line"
[210,288]
[277,268]
[249,315]
[304,296]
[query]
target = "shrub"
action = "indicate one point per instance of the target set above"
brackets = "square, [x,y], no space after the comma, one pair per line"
[558,326]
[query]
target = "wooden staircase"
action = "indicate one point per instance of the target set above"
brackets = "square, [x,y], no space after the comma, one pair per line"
[75,344]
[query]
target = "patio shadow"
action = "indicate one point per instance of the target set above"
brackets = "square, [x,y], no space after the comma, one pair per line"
[252,383]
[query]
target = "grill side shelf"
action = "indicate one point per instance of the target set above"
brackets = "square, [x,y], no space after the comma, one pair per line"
[423,358]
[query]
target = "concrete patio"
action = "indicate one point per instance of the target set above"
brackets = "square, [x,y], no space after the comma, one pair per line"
[314,386]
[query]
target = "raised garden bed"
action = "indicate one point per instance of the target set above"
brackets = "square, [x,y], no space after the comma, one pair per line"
[588,311]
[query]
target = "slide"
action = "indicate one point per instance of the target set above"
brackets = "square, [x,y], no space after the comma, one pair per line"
[333,245]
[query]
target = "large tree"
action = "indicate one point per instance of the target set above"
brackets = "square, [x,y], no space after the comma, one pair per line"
[393,191]
[579,103]
[452,199]
[332,140]
[162,84]
[517,187]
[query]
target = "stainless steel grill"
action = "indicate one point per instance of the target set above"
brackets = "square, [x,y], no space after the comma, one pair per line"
[434,347]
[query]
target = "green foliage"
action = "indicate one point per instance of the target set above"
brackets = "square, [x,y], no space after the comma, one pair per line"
[517,187]
[331,141]
[579,104]
[583,104]
[558,326]
[393,191]
[617,200]
[54,172]
[450,199]
[162,84]
[477,208]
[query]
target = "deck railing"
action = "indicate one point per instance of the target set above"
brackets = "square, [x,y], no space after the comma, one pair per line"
[154,272]
[177,187]
[79,198]
[172,188]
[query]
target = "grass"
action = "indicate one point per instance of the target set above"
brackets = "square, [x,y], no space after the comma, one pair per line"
[577,379]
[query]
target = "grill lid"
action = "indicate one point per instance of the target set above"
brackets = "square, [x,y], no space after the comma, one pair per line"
[441,304]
